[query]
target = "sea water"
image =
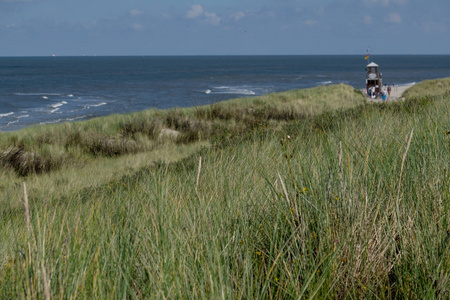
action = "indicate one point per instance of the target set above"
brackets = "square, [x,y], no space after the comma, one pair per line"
[44,90]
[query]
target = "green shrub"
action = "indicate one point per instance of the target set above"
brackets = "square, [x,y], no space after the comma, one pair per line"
[26,163]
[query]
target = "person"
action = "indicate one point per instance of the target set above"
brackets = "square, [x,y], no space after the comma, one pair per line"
[389,90]
[384,95]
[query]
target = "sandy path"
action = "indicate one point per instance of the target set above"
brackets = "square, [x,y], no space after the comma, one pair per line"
[396,93]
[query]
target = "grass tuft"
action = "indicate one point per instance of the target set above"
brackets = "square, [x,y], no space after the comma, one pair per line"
[25,162]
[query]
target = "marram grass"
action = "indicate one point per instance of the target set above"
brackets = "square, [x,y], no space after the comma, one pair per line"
[347,205]
[80,154]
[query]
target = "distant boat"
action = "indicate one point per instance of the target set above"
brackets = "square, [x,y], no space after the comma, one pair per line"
[53,55]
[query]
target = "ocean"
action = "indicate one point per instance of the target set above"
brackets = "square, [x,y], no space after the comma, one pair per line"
[45,90]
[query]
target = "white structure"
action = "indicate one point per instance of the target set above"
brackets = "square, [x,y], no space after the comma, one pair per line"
[374,77]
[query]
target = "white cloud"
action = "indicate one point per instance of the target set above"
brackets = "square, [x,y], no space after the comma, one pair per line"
[198,12]
[212,19]
[430,27]
[137,26]
[237,15]
[393,18]
[367,19]
[195,12]
[136,12]
[310,22]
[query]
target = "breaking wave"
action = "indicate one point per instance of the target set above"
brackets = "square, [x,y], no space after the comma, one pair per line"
[94,105]
[59,104]
[6,115]
[230,90]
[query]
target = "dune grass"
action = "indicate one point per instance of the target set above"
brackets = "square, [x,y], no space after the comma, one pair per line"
[430,88]
[349,204]
[83,147]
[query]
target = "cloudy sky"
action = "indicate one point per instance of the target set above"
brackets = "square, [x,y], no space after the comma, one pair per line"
[223,27]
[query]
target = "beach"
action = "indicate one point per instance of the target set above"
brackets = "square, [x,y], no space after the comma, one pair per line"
[396,93]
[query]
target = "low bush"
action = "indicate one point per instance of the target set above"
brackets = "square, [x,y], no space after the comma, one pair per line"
[148,127]
[26,163]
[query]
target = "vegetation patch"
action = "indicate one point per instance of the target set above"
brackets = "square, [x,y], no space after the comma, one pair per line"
[25,163]
[120,135]
[345,204]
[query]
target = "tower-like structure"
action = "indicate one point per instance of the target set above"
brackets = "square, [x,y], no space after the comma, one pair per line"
[374,77]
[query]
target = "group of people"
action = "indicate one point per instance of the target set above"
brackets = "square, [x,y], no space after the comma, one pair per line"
[385,92]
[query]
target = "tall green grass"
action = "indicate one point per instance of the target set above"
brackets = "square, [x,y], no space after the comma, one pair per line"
[43,149]
[349,204]
[80,154]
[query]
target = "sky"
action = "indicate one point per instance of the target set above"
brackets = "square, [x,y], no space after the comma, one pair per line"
[223,27]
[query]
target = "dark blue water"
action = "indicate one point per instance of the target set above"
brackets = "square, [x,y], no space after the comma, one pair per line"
[41,90]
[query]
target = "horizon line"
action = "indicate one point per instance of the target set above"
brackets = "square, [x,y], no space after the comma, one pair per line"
[212,55]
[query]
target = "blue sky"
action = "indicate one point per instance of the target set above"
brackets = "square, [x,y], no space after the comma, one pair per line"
[223,27]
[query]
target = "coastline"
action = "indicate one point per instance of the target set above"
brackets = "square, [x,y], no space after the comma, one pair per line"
[396,94]
[222,200]
[41,91]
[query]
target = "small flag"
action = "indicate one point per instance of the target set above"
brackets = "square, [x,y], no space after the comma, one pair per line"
[367,56]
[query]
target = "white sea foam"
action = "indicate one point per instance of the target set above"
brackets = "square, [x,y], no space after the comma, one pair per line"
[70,95]
[242,92]
[99,104]
[12,122]
[17,119]
[44,97]
[65,120]
[6,115]
[54,110]
[325,82]
[231,90]
[76,118]
[95,105]
[59,104]
[51,122]
[37,94]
